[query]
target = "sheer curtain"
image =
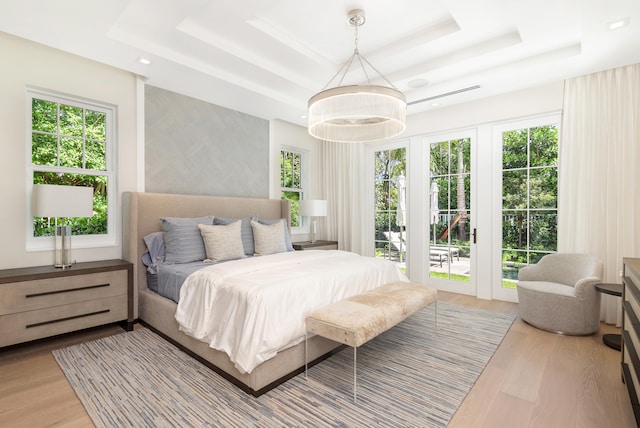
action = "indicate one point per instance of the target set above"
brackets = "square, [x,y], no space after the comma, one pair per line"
[599,167]
[342,178]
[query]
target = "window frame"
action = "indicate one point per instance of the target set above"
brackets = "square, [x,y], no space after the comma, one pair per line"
[43,243]
[304,182]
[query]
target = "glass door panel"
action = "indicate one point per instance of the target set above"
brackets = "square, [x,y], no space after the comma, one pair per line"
[390,205]
[450,211]
[529,199]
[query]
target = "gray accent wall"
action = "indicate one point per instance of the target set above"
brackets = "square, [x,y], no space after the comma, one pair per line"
[194,147]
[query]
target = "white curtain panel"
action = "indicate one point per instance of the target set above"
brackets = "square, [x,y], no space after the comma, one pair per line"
[599,167]
[341,185]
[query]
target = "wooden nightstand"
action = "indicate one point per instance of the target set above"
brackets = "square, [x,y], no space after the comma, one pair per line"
[43,301]
[318,245]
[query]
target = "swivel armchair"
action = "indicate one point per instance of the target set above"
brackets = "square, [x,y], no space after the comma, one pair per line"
[558,294]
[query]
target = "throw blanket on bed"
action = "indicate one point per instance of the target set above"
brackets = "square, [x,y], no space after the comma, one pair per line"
[252,308]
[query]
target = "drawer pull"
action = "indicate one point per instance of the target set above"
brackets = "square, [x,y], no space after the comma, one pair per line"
[68,318]
[48,293]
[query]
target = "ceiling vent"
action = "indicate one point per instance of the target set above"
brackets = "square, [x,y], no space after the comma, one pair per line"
[446,94]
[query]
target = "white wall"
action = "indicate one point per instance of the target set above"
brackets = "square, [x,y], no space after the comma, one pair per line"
[25,64]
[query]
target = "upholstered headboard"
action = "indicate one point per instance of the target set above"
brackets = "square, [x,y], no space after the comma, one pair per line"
[142,212]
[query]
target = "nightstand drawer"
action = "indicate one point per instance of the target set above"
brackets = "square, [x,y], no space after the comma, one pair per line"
[36,324]
[43,293]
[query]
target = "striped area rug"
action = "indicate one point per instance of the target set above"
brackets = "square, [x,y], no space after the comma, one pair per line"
[412,375]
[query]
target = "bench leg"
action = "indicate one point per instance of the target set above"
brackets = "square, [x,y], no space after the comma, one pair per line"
[355,350]
[305,356]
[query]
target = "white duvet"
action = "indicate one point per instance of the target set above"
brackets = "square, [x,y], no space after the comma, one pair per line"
[253,308]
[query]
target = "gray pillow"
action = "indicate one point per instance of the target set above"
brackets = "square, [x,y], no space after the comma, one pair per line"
[154,255]
[246,234]
[182,240]
[287,235]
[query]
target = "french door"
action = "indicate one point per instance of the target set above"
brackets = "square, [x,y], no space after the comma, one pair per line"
[476,205]
[390,210]
[450,217]
[525,197]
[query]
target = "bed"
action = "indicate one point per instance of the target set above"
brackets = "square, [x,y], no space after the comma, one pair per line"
[142,213]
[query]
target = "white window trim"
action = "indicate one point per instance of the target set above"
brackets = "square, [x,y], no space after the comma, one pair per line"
[45,243]
[304,182]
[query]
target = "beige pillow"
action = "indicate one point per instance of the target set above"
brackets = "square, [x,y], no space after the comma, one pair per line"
[222,242]
[268,238]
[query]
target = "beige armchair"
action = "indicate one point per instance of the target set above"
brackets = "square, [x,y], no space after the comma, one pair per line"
[558,294]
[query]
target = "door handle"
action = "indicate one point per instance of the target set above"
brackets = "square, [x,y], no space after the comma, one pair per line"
[475,235]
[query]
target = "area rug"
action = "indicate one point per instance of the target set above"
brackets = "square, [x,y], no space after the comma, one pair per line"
[412,375]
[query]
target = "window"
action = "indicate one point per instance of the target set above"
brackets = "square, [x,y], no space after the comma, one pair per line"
[72,143]
[292,180]
[529,197]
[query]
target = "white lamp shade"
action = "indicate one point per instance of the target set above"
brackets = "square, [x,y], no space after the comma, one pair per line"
[313,208]
[62,201]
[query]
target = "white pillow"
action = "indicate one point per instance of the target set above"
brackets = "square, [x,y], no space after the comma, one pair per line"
[268,238]
[222,242]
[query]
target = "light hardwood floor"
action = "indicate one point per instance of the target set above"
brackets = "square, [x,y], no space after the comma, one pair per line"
[535,379]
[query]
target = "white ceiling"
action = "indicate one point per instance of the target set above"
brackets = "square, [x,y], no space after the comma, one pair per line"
[268,57]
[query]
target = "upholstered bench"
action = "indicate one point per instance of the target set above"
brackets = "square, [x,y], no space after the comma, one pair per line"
[357,319]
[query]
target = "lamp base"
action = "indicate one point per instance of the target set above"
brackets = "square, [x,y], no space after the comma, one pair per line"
[312,232]
[62,258]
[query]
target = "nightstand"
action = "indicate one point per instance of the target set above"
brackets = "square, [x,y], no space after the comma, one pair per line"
[43,301]
[318,245]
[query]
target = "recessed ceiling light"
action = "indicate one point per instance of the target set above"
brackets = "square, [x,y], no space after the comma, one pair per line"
[435,104]
[614,25]
[143,60]
[303,116]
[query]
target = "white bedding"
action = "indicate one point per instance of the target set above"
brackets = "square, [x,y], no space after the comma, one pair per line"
[252,308]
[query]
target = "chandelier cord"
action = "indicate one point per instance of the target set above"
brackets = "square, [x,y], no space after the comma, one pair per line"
[345,68]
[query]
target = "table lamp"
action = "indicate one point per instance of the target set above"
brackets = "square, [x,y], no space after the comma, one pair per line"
[54,201]
[313,208]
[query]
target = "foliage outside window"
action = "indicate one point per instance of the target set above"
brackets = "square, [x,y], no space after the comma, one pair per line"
[529,196]
[390,242]
[450,216]
[291,182]
[70,144]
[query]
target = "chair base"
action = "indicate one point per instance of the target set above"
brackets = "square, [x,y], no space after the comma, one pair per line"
[562,333]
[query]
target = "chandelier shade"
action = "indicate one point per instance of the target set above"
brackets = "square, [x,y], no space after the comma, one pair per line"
[357,113]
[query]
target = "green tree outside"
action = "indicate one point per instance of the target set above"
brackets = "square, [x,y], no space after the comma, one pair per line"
[68,147]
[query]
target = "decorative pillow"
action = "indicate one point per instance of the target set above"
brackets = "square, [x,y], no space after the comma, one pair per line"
[223,242]
[268,238]
[287,236]
[245,231]
[182,239]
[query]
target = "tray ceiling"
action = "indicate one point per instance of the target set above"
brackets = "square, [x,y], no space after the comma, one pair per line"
[268,57]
